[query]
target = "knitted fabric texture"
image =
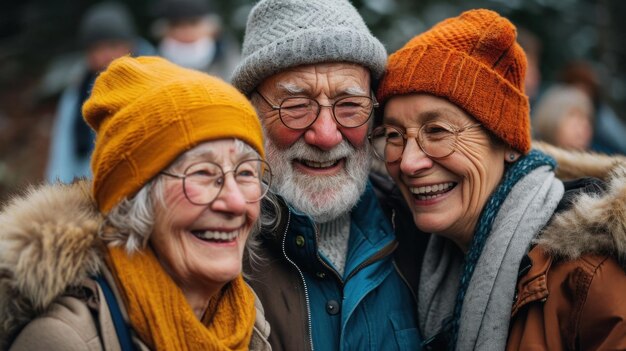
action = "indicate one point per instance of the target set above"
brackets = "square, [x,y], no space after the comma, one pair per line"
[286,33]
[517,171]
[474,61]
[161,316]
[333,241]
[147,111]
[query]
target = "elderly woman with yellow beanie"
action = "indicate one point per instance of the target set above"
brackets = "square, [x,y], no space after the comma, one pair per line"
[150,256]
[518,259]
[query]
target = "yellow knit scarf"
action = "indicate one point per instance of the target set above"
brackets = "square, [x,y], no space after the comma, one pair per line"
[161,316]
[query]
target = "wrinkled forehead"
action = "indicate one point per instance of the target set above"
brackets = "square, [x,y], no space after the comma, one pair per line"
[419,108]
[331,78]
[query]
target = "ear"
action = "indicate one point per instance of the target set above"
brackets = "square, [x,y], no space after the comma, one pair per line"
[511,155]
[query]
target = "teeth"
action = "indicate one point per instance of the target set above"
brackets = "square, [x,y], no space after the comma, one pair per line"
[314,164]
[211,235]
[422,190]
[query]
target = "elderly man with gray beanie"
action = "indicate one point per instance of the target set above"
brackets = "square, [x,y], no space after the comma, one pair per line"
[341,267]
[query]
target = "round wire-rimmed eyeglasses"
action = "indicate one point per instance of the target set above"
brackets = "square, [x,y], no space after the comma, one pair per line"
[435,139]
[204,181]
[300,112]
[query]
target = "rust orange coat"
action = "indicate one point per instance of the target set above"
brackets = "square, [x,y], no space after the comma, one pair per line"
[570,305]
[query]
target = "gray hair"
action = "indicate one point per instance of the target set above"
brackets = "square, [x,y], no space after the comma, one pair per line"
[130,223]
[554,106]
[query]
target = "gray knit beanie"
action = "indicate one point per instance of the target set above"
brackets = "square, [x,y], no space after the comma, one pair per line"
[287,33]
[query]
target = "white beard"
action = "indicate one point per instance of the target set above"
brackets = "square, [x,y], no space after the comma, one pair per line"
[324,198]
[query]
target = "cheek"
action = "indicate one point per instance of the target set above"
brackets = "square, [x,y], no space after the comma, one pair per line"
[254,210]
[482,170]
[355,136]
[282,136]
[394,171]
[176,210]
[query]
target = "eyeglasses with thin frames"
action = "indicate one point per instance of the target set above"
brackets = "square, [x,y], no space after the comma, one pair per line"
[435,139]
[204,181]
[300,112]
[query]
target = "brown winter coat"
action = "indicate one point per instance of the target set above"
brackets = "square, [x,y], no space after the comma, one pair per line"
[49,248]
[573,296]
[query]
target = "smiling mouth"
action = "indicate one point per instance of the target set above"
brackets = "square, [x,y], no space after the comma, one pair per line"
[318,165]
[216,236]
[431,191]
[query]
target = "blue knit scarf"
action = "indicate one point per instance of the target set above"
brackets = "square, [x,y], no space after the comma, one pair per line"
[514,173]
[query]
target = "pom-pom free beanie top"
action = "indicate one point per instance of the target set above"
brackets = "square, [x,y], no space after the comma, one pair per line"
[286,33]
[475,62]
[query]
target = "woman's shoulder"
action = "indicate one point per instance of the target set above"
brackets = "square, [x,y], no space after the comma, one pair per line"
[68,324]
[49,235]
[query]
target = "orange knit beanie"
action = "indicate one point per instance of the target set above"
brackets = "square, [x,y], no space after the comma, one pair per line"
[146,111]
[474,61]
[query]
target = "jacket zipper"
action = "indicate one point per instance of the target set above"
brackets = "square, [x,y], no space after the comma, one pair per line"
[395,265]
[406,282]
[319,259]
[384,252]
[306,290]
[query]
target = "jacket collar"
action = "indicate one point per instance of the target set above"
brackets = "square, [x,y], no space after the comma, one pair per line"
[51,233]
[593,224]
[367,219]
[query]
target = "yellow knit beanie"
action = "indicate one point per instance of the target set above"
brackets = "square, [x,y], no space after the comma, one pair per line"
[146,111]
[475,62]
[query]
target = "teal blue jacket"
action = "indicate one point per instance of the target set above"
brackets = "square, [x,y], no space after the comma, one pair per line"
[310,306]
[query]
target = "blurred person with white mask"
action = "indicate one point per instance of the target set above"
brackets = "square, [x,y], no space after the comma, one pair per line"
[106,31]
[191,34]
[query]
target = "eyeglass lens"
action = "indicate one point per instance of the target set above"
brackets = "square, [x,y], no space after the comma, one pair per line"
[301,112]
[204,181]
[436,140]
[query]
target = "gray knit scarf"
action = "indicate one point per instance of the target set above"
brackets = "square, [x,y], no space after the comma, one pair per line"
[486,310]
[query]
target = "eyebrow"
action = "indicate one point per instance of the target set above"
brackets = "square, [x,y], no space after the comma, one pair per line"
[294,89]
[290,88]
[355,90]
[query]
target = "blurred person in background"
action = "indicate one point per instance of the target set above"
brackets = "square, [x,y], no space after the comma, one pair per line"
[609,130]
[148,255]
[564,118]
[106,32]
[190,34]
[533,47]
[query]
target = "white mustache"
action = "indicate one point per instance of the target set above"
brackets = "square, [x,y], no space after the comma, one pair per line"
[300,150]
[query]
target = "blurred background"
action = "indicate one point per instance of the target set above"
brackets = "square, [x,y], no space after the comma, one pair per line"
[46,48]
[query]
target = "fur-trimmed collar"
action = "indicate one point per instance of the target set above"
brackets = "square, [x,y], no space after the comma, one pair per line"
[48,242]
[596,223]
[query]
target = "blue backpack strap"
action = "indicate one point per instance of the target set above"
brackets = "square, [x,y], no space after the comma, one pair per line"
[121,328]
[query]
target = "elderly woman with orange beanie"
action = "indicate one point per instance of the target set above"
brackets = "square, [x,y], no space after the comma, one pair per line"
[518,259]
[149,256]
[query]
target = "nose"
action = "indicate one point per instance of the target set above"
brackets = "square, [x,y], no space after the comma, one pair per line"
[414,159]
[230,199]
[324,133]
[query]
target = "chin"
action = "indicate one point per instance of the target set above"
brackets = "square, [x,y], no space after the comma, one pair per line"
[224,274]
[429,223]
